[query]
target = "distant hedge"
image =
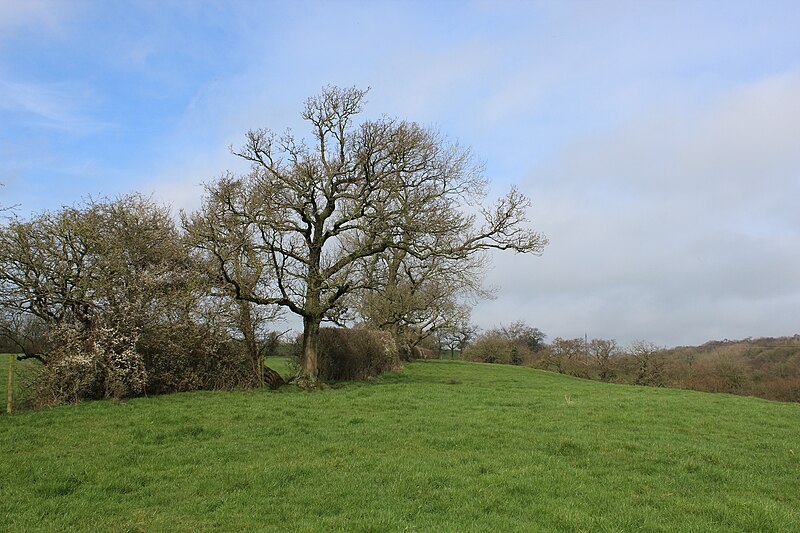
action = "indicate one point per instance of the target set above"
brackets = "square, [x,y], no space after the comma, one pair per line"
[353,354]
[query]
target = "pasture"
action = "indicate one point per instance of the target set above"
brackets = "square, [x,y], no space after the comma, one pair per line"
[441,446]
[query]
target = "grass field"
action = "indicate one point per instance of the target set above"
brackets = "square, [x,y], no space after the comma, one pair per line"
[443,446]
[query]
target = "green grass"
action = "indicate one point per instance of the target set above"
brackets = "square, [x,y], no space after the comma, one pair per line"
[443,446]
[281,364]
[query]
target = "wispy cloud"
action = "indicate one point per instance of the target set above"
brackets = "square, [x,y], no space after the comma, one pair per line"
[61,105]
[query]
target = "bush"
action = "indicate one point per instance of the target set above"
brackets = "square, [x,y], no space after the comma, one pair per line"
[105,363]
[187,356]
[92,365]
[780,389]
[353,354]
[495,348]
[720,372]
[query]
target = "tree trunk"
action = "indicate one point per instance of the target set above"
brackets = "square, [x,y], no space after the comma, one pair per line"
[309,370]
[272,378]
[245,323]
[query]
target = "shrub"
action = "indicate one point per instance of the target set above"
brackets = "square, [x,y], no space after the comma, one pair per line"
[720,371]
[91,365]
[70,379]
[781,389]
[352,354]
[493,347]
[187,356]
[105,363]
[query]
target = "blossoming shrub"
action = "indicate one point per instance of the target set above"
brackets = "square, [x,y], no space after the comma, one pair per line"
[98,364]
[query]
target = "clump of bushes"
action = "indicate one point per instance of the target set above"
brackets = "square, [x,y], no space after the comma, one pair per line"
[355,354]
[495,348]
[189,356]
[114,302]
[106,363]
[515,344]
[101,364]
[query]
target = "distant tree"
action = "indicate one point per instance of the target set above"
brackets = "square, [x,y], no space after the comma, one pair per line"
[649,363]
[566,355]
[310,218]
[602,351]
[493,347]
[520,332]
[515,344]
[416,298]
[21,333]
[457,336]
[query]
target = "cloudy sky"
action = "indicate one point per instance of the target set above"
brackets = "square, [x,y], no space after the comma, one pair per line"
[659,140]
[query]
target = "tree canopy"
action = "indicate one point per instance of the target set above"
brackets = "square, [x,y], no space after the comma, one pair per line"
[347,210]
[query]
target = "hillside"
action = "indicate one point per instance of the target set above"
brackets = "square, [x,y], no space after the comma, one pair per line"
[765,367]
[448,446]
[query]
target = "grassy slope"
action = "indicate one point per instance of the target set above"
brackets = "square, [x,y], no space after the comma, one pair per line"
[443,446]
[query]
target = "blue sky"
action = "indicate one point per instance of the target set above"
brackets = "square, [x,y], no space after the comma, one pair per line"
[659,140]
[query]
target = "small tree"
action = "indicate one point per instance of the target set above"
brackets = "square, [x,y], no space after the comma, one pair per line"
[514,344]
[307,221]
[458,336]
[247,322]
[415,296]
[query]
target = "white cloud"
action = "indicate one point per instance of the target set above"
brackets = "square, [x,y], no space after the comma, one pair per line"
[680,226]
[669,196]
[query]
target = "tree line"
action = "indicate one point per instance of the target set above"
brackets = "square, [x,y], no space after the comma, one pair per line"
[381,224]
[768,368]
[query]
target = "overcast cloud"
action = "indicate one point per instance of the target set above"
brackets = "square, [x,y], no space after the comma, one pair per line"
[659,141]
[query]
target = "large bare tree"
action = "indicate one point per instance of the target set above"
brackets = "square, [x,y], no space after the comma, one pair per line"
[301,228]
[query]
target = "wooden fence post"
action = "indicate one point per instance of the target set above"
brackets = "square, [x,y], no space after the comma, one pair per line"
[10,403]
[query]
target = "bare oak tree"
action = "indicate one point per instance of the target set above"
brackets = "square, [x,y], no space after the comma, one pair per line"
[302,227]
[602,351]
[650,362]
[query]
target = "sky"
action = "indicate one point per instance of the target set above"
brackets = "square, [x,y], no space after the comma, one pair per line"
[659,141]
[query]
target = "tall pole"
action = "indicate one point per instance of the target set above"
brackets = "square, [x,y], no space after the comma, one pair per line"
[10,403]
